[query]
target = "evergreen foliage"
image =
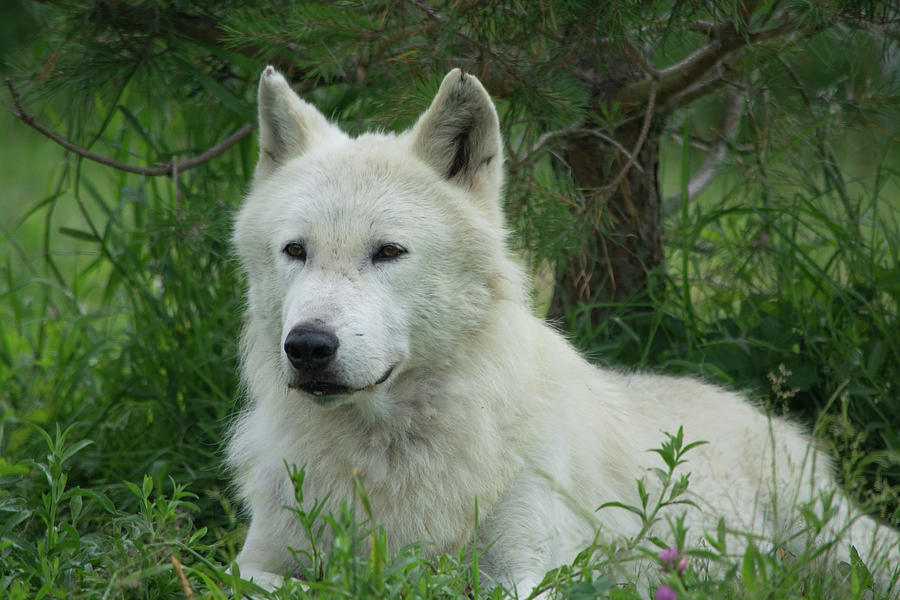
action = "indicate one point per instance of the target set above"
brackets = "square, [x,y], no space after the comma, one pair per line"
[119,300]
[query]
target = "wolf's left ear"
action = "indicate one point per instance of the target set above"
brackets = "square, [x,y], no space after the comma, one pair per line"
[288,126]
[459,137]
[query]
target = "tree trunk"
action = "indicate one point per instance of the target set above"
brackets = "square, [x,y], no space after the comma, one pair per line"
[626,245]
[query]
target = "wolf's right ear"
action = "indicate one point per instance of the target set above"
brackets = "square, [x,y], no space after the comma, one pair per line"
[288,126]
[459,137]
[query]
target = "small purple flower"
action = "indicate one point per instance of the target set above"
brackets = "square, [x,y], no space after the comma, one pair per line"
[669,556]
[665,592]
[671,559]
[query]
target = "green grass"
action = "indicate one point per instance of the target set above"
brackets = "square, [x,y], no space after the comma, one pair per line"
[77,542]
[120,314]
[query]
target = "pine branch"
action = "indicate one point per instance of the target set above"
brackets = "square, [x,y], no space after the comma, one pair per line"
[504,62]
[171,168]
[144,19]
[693,69]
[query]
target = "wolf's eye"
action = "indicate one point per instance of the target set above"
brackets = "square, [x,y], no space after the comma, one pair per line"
[295,250]
[389,252]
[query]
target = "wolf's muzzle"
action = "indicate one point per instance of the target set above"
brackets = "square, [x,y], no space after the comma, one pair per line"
[311,351]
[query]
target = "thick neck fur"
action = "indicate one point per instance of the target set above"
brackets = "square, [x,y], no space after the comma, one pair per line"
[411,460]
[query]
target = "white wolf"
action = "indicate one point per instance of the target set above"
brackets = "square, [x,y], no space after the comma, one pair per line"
[388,335]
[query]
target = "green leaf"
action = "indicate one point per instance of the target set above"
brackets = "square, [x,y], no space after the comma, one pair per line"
[703,554]
[642,493]
[133,488]
[589,590]
[94,495]
[860,577]
[877,356]
[78,234]
[627,507]
[693,445]
[75,448]
[749,566]
[10,469]
[147,486]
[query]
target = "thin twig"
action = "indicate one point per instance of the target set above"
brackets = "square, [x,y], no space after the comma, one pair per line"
[570,131]
[645,129]
[706,145]
[19,112]
[542,141]
[613,142]
[166,169]
[185,584]
[176,187]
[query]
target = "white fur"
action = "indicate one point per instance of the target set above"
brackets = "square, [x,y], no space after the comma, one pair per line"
[485,401]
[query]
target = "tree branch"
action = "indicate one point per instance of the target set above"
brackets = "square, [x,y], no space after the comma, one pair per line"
[641,60]
[701,179]
[172,168]
[681,76]
[708,84]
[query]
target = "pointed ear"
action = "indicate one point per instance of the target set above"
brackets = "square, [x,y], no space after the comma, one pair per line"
[288,126]
[459,137]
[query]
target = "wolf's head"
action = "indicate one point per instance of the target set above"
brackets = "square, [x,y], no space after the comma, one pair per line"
[371,257]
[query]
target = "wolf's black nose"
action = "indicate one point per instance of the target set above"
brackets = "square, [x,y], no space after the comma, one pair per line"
[310,349]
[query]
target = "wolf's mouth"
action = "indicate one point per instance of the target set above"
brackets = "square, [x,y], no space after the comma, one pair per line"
[324,388]
[321,389]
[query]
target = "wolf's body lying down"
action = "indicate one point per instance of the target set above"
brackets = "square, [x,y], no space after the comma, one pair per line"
[388,335]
